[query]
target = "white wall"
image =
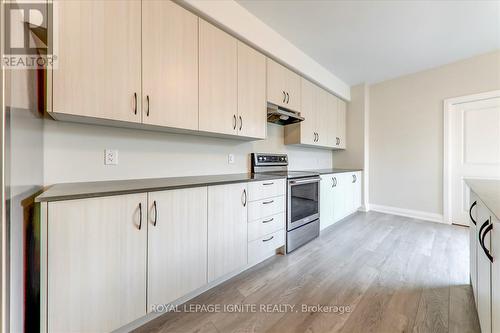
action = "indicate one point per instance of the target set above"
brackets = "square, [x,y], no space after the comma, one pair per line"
[406,131]
[75,152]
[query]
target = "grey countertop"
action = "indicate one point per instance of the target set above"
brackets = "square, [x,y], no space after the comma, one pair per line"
[488,191]
[333,170]
[69,191]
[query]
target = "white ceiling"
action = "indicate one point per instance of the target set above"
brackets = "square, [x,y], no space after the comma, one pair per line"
[372,41]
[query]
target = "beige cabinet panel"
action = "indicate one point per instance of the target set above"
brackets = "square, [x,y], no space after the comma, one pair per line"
[96,263]
[341,124]
[227,229]
[170,65]
[322,117]
[218,80]
[332,119]
[99,60]
[293,89]
[252,107]
[276,83]
[177,243]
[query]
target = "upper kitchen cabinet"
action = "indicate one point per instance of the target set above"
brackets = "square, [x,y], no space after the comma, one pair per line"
[283,86]
[218,75]
[252,108]
[305,131]
[99,61]
[341,124]
[170,65]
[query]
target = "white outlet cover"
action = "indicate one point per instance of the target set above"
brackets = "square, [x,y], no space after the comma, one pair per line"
[230,158]
[110,157]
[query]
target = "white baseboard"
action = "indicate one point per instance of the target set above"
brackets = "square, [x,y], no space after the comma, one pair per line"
[416,214]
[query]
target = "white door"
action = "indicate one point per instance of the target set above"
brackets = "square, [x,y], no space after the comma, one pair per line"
[474,150]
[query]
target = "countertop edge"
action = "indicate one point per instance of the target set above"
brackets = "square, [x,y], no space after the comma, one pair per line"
[492,199]
[44,197]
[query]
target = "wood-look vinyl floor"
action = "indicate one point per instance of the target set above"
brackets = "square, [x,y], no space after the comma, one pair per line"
[395,274]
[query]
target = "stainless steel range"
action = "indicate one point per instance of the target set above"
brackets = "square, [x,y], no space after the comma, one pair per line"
[302,211]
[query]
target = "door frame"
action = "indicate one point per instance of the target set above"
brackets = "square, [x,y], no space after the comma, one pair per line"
[448,107]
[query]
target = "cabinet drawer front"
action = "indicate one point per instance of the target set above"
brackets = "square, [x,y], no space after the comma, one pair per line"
[265,207]
[266,189]
[264,247]
[265,226]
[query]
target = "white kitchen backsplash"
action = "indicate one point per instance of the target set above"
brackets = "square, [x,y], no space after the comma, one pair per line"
[75,152]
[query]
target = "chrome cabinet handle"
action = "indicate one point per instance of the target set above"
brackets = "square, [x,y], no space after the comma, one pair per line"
[234,121]
[267,240]
[241,122]
[267,202]
[284,96]
[135,103]
[271,183]
[147,102]
[267,221]
[353,178]
[156,213]
[470,212]
[288,98]
[140,216]
[334,181]
[244,195]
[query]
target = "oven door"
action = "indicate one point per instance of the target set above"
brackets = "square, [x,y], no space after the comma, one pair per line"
[303,201]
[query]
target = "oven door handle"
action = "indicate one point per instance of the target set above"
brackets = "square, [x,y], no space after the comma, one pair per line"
[305,181]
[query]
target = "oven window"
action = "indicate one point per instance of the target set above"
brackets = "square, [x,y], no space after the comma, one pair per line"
[304,201]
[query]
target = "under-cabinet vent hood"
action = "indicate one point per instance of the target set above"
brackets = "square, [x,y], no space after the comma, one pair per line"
[280,116]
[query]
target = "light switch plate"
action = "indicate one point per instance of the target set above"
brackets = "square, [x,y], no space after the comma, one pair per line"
[110,157]
[230,158]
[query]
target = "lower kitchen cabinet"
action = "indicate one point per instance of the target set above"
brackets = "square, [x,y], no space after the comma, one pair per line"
[340,196]
[96,263]
[177,243]
[227,229]
[473,243]
[484,264]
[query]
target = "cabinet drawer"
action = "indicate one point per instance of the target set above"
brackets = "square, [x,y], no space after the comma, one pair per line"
[264,247]
[265,226]
[266,189]
[265,207]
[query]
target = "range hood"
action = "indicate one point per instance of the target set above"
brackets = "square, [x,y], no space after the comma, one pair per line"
[278,115]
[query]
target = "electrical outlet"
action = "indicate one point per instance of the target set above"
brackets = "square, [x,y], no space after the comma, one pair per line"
[230,158]
[110,157]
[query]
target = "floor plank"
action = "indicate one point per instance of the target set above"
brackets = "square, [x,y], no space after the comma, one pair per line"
[374,273]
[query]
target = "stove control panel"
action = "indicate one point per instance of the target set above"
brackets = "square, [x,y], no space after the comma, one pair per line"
[269,159]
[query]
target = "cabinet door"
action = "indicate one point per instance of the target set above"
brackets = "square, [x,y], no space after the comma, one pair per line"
[99,60]
[331,120]
[276,83]
[357,191]
[170,65]
[322,117]
[96,263]
[252,108]
[293,90]
[177,243]
[326,215]
[338,197]
[484,276]
[227,229]
[495,275]
[308,111]
[218,80]
[341,124]
[473,243]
